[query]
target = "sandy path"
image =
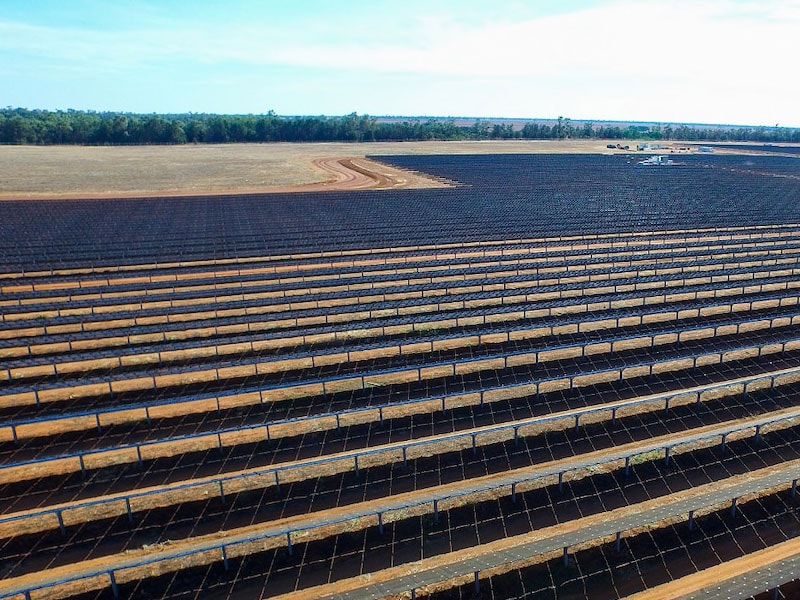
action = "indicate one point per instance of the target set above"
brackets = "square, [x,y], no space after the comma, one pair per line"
[710,578]
[356,173]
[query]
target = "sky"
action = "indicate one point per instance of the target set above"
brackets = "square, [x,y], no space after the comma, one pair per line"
[667,61]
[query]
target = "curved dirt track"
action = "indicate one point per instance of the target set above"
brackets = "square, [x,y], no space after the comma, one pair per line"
[356,173]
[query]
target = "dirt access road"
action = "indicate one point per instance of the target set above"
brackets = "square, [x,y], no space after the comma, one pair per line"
[356,173]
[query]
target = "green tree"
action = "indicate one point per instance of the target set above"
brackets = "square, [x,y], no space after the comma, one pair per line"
[177,135]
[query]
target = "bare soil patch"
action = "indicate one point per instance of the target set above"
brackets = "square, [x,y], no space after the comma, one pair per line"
[135,171]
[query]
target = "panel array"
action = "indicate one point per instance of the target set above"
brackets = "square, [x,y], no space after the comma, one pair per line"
[512,416]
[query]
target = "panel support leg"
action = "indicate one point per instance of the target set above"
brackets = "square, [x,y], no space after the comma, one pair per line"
[114,586]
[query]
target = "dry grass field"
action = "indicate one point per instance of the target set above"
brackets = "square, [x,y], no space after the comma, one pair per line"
[75,171]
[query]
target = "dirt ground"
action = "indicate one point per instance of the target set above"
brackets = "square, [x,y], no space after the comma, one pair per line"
[129,171]
[706,579]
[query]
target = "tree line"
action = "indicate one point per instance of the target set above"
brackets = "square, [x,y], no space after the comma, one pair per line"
[24,126]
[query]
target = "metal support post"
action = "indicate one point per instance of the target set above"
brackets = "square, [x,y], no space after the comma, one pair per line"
[733,507]
[691,520]
[618,542]
[627,465]
[477,584]
[114,586]
[566,556]
[61,526]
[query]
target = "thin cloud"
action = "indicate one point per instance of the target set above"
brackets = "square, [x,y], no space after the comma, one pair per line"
[614,56]
[631,38]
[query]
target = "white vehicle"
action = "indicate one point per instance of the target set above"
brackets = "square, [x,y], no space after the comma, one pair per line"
[659,160]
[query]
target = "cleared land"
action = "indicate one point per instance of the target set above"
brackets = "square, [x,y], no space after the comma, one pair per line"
[126,171]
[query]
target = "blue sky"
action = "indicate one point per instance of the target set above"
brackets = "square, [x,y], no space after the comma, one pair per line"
[697,61]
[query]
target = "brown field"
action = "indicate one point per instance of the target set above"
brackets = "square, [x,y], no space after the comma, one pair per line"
[108,171]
